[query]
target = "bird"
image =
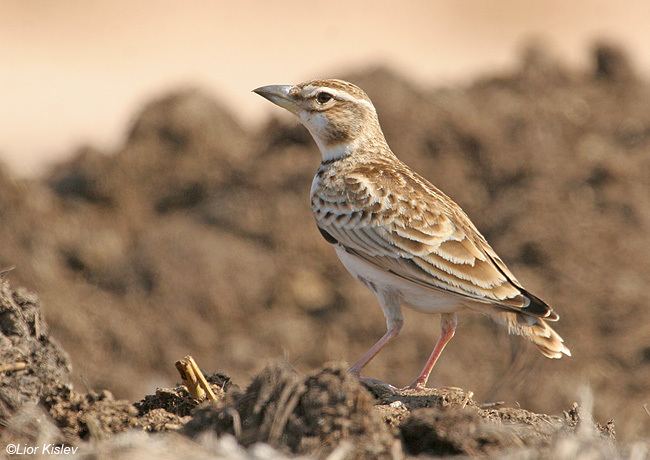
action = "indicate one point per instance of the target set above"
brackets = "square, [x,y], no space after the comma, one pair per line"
[397,233]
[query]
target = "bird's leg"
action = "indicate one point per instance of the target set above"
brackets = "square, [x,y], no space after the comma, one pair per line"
[448,322]
[390,304]
[390,334]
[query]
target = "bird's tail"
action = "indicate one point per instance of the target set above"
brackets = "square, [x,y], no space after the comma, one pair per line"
[536,330]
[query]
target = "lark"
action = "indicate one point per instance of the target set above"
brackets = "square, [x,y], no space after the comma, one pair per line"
[398,234]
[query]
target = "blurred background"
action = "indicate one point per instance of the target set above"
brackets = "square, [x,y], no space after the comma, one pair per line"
[159,208]
[76,71]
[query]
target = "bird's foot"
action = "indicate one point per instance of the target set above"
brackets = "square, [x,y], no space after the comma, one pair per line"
[415,386]
[376,385]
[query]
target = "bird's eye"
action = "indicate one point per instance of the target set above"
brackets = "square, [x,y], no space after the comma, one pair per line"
[323,97]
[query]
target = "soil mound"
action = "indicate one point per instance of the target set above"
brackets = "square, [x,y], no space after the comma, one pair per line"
[326,412]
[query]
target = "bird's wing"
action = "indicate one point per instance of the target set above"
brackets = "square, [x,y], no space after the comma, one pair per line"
[397,221]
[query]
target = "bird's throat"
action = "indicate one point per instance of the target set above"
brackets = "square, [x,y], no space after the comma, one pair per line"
[336,151]
[333,152]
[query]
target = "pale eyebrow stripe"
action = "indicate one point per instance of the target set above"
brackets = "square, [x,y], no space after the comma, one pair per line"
[310,91]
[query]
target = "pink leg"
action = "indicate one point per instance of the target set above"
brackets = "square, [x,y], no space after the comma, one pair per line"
[448,324]
[390,334]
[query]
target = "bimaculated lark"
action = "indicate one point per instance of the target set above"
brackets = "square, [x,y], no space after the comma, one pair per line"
[398,234]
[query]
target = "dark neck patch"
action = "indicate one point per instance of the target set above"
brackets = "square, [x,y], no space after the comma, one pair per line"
[329,161]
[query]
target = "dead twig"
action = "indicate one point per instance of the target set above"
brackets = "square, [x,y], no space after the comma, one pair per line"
[10,367]
[6,270]
[287,402]
[236,421]
[194,379]
[468,396]
[489,405]
[94,427]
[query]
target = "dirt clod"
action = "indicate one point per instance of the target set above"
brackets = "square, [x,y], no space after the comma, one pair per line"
[88,416]
[302,414]
[451,432]
[31,361]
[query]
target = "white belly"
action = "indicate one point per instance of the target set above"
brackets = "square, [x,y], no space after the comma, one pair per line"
[411,294]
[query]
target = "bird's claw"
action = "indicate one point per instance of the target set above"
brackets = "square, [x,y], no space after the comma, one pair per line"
[415,386]
[372,383]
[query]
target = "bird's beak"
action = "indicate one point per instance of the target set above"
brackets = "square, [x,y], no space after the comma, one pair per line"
[279,95]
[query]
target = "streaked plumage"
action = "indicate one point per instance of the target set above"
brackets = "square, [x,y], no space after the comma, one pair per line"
[401,236]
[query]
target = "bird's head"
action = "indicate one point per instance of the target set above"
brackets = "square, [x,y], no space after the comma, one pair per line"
[338,114]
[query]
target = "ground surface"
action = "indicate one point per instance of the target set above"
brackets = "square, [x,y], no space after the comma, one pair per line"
[316,414]
[196,238]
